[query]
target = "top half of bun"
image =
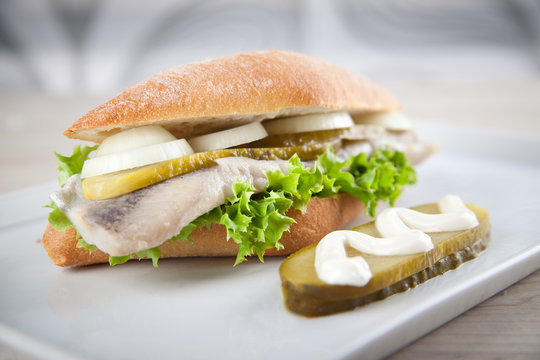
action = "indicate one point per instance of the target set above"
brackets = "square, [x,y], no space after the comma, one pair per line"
[221,93]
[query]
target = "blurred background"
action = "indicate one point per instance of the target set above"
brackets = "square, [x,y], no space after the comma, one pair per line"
[102,46]
[457,62]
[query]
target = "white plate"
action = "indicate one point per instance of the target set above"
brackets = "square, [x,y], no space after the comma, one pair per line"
[205,308]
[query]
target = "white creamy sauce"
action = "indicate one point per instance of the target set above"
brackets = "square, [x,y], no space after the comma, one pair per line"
[403,232]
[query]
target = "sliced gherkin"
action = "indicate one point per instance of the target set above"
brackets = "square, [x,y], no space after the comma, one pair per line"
[305,294]
[115,184]
[299,139]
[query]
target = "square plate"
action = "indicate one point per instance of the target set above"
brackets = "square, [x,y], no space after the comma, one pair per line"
[205,308]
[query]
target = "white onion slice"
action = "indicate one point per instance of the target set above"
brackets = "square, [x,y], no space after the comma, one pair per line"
[133,139]
[392,120]
[311,122]
[228,138]
[146,155]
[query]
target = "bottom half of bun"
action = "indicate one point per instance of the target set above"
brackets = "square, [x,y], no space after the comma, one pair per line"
[321,217]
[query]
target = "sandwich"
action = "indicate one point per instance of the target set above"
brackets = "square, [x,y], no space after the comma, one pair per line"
[259,153]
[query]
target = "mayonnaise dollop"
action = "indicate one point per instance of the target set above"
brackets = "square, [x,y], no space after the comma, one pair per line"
[403,232]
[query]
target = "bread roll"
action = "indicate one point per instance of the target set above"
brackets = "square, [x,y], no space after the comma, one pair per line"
[212,95]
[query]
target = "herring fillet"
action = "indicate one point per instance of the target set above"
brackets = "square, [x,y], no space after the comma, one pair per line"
[148,217]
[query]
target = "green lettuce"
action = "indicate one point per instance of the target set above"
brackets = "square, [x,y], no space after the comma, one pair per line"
[81,244]
[57,219]
[256,221]
[67,166]
[72,165]
[153,253]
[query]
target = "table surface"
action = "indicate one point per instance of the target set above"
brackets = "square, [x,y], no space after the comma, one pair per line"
[504,326]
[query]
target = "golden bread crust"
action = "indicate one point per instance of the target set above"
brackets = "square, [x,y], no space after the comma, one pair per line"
[321,217]
[221,93]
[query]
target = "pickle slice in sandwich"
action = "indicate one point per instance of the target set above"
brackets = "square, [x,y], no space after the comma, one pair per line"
[300,139]
[306,294]
[112,185]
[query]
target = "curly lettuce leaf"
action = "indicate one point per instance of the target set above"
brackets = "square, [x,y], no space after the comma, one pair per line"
[382,176]
[117,260]
[256,222]
[67,167]
[57,219]
[153,253]
[211,217]
[72,165]
[81,244]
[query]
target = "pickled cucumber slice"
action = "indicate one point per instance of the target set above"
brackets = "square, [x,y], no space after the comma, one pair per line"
[304,293]
[112,185]
[299,139]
